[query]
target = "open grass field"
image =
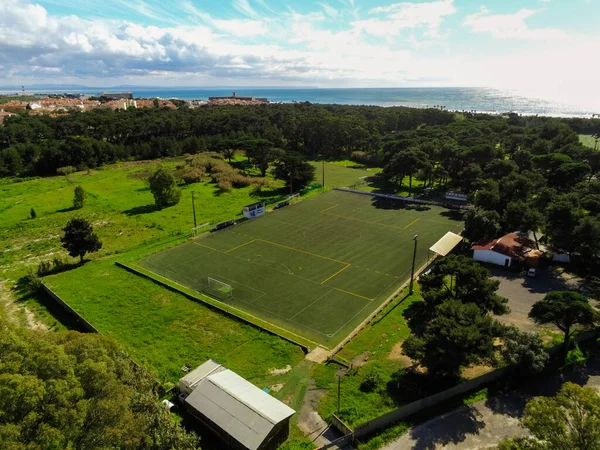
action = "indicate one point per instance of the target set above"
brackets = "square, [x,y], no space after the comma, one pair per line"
[316,268]
[164,330]
[587,140]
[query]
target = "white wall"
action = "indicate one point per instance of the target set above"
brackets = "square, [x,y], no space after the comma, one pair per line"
[491,257]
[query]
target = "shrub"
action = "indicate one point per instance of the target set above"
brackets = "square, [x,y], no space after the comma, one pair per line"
[32,213]
[369,159]
[190,174]
[33,278]
[44,267]
[372,378]
[224,186]
[66,170]
[79,198]
[575,358]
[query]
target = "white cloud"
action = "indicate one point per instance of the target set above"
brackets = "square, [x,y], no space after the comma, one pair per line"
[398,16]
[510,26]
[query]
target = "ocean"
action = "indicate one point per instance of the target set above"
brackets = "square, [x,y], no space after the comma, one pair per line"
[493,101]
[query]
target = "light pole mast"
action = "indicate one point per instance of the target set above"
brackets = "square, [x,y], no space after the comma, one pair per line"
[194,211]
[412,273]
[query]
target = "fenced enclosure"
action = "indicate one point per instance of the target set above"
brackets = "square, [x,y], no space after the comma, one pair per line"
[317,268]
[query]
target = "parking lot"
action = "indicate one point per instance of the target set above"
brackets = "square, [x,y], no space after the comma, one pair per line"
[523,291]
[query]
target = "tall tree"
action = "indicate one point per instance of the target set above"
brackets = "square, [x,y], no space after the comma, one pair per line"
[459,335]
[567,310]
[293,168]
[79,238]
[568,421]
[461,278]
[406,163]
[164,188]
[481,225]
[563,215]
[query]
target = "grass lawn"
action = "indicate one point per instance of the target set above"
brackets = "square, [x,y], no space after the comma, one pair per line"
[587,140]
[164,330]
[316,268]
[342,173]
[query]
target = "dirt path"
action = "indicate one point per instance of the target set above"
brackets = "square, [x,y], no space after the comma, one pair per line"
[16,313]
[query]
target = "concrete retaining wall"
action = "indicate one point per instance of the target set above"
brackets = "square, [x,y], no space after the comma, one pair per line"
[339,425]
[80,320]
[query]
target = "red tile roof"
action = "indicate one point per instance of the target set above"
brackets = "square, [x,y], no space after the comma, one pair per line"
[515,245]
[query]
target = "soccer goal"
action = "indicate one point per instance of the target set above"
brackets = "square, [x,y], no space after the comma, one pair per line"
[220,287]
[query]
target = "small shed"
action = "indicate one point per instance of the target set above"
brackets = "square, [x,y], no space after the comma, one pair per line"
[242,415]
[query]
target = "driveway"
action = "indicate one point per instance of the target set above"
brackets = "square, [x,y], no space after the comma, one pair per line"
[484,424]
[522,292]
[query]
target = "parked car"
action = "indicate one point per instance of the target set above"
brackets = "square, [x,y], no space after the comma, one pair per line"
[532,273]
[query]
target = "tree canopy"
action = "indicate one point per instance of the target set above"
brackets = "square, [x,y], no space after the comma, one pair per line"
[164,188]
[66,390]
[79,238]
[570,420]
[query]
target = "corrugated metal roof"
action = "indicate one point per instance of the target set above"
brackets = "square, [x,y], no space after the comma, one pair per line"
[446,243]
[262,403]
[245,412]
[201,372]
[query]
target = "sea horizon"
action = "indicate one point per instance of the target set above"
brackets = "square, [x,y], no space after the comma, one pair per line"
[468,99]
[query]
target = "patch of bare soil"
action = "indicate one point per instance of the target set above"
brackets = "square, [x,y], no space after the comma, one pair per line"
[318,355]
[276,387]
[397,354]
[360,360]
[7,301]
[476,371]
[309,420]
[286,369]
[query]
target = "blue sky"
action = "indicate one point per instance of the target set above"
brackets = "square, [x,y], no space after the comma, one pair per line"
[537,46]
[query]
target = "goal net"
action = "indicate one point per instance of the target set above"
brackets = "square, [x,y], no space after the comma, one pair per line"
[220,287]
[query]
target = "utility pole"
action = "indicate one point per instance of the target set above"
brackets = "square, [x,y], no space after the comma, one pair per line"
[412,273]
[194,211]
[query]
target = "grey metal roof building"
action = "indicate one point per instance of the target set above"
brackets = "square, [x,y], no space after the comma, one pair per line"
[243,415]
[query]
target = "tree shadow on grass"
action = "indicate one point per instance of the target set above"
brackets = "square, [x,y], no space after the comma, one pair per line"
[137,210]
[453,214]
[69,209]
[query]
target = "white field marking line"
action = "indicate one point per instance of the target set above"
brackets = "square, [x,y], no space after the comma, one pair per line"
[217,276]
[308,306]
[351,319]
[258,319]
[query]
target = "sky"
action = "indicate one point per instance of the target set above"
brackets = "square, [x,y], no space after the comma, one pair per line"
[548,48]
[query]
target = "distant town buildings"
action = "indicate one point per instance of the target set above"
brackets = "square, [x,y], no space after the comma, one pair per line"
[117,95]
[237,100]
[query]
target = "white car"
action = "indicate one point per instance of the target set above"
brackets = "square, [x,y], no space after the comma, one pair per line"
[532,273]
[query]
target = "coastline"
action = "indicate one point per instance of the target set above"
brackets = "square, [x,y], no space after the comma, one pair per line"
[458,100]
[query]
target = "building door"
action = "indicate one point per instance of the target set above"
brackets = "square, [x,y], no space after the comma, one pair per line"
[506,262]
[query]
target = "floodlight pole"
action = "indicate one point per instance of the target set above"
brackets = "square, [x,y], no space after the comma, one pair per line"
[412,273]
[194,211]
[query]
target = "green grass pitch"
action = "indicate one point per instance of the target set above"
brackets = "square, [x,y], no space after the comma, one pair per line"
[317,267]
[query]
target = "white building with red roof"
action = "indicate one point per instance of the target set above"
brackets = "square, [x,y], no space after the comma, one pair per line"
[506,251]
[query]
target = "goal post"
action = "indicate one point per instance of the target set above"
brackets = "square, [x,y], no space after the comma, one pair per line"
[220,287]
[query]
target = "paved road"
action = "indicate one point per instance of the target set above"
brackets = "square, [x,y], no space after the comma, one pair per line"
[483,424]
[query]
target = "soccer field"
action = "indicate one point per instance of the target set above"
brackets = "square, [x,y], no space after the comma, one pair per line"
[316,268]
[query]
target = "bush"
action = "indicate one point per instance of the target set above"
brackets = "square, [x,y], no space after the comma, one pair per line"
[368,159]
[224,186]
[66,170]
[575,358]
[33,278]
[32,213]
[79,198]
[372,378]
[190,174]
[44,267]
